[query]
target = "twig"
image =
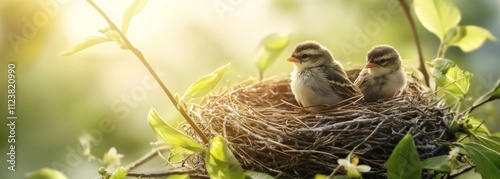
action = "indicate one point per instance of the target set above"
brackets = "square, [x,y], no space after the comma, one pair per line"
[151,155]
[484,99]
[369,136]
[475,106]
[411,22]
[167,173]
[139,55]
[336,125]
[145,158]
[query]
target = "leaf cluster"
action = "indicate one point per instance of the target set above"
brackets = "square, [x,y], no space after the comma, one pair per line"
[478,148]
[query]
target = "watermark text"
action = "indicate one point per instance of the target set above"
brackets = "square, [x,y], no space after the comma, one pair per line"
[11,117]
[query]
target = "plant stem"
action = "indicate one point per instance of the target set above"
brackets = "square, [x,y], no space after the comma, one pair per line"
[333,172]
[442,50]
[470,109]
[477,105]
[150,69]
[411,22]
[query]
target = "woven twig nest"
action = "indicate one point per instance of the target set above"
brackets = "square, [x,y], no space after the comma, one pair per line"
[268,132]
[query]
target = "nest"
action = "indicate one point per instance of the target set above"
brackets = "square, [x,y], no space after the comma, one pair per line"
[268,132]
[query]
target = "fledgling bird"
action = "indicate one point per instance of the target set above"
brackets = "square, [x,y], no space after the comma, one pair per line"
[383,75]
[318,79]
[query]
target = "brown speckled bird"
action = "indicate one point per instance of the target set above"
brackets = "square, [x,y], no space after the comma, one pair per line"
[318,79]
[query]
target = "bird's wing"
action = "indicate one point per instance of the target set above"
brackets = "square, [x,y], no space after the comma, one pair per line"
[341,84]
[361,78]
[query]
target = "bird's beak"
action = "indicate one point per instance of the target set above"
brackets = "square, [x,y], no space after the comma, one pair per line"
[371,65]
[293,59]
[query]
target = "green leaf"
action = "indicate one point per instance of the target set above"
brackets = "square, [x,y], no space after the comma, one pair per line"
[492,142]
[454,126]
[269,50]
[487,160]
[319,176]
[113,35]
[495,92]
[132,10]
[220,161]
[206,84]
[437,16]
[469,38]
[439,163]
[177,97]
[88,42]
[119,173]
[168,134]
[257,175]
[453,82]
[46,173]
[456,82]
[440,67]
[404,161]
[476,126]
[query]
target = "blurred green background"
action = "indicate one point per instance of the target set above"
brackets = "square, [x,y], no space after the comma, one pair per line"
[60,98]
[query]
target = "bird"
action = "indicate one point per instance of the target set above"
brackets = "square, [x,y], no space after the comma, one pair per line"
[383,76]
[318,80]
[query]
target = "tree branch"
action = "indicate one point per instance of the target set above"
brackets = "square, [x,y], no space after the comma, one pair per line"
[411,22]
[150,69]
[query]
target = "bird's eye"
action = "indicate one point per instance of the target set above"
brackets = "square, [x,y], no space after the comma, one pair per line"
[303,56]
[383,61]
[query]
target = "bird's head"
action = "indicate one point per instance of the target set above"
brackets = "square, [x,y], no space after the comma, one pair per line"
[310,54]
[383,59]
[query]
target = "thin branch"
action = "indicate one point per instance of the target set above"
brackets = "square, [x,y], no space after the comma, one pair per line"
[486,97]
[475,106]
[151,155]
[411,22]
[150,69]
[166,174]
[145,158]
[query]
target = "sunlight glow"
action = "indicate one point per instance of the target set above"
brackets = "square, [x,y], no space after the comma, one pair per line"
[81,20]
